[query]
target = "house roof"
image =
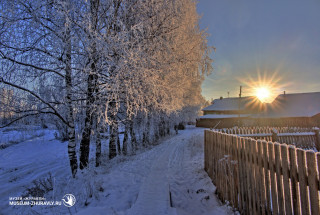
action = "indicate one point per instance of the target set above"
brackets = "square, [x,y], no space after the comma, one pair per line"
[223,116]
[293,105]
[232,104]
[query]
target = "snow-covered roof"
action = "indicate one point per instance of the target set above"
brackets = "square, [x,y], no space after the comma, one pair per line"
[223,116]
[293,105]
[230,104]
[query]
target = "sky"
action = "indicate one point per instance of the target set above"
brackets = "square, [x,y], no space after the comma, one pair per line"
[276,40]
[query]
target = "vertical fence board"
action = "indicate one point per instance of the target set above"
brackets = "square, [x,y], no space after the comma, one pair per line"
[243,176]
[212,148]
[318,164]
[225,176]
[227,181]
[214,156]
[294,180]
[257,177]
[236,196]
[313,182]
[206,142]
[272,179]
[286,182]
[277,156]
[219,184]
[302,181]
[262,192]
[240,174]
[210,152]
[266,175]
[248,173]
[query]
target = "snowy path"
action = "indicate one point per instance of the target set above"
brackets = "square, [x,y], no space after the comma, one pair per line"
[191,189]
[153,197]
[132,185]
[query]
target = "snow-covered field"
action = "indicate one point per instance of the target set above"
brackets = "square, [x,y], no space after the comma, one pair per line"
[166,179]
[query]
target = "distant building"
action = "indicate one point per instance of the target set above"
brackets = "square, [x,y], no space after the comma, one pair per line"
[300,109]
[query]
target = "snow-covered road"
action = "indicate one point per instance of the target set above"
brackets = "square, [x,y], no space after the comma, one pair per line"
[174,182]
[177,183]
[166,179]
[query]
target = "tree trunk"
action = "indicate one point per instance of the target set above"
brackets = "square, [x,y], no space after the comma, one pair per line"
[168,127]
[118,143]
[112,141]
[98,144]
[161,126]
[91,88]
[133,137]
[155,131]
[125,140]
[68,79]
[146,133]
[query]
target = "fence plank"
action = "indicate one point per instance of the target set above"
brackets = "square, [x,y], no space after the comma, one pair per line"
[207,134]
[220,170]
[211,152]
[248,173]
[261,179]
[302,181]
[277,156]
[243,176]
[286,182]
[266,175]
[236,197]
[272,179]
[214,156]
[318,164]
[257,177]
[238,182]
[313,182]
[294,180]
[240,174]
[227,181]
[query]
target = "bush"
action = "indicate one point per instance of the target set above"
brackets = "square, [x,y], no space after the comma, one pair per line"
[181,126]
[40,187]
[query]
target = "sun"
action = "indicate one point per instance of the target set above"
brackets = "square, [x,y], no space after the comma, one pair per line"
[263,94]
[265,86]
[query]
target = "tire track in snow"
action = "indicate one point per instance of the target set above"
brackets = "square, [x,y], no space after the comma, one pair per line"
[175,170]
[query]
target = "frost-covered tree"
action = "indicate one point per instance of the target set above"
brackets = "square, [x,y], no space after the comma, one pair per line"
[104,65]
[36,45]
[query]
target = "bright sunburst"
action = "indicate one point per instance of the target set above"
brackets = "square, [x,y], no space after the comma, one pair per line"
[263,94]
[265,86]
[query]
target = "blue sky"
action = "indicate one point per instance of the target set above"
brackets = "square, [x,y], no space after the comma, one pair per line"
[281,37]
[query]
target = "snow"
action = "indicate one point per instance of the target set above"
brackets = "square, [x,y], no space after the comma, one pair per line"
[232,104]
[297,134]
[10,136]
[138,184]
[222,116]
[293,105]
[278,134]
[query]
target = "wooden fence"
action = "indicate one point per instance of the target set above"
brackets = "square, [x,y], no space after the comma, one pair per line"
[305,138]
[260,177]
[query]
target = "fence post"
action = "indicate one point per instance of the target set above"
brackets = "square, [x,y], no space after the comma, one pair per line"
[274,135]
[316,131]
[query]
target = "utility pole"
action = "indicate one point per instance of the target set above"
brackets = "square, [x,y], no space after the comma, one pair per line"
[239,102]
[228,94]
